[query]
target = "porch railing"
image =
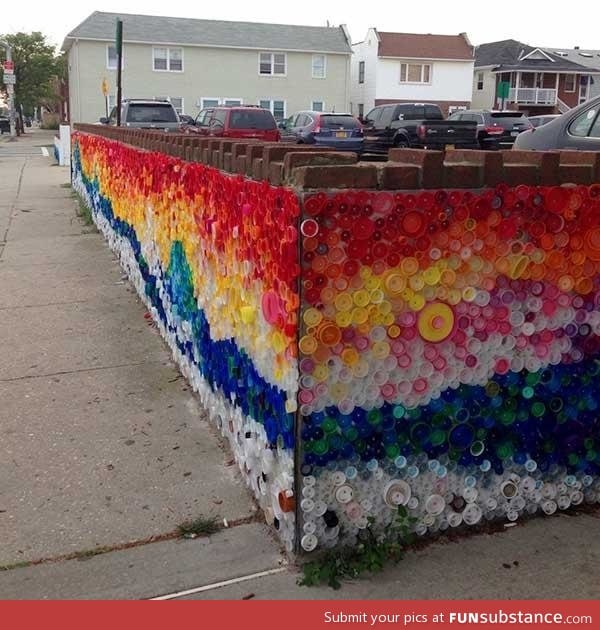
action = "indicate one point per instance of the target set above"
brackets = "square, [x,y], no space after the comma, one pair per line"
[533,96]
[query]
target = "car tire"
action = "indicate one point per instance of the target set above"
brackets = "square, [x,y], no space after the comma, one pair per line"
[401,143]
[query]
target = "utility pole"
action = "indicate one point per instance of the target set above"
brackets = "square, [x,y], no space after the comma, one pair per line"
[119,47]
[9,80]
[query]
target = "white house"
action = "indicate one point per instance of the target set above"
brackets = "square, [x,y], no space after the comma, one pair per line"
[408,68]
[200,63]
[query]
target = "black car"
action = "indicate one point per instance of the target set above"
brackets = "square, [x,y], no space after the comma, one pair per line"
[578,129]
[414,125]
[495,129]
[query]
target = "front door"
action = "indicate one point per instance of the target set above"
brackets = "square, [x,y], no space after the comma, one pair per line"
[584,88]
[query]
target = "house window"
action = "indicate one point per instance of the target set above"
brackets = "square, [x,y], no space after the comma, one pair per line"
[232,102]
[569,82]
[177,102]
[480,80]
[318,66]
[415,73]
[167,59]
[272,64]
[209,102]
[317,106]
[111,57]
[361,109]
[361,71]
[277,108]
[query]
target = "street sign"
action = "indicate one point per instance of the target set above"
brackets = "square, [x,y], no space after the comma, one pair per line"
[9,67]
[9,79]
[104,86]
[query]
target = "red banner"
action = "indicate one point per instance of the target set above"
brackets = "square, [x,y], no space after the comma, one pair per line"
[300,615]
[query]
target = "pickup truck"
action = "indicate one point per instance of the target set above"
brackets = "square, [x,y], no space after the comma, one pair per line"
[415,125]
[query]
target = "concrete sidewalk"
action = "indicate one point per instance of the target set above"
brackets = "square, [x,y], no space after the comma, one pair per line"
[102,443]
[103,448]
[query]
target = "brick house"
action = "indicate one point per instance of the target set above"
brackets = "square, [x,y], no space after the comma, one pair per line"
[540,81]
[409,68]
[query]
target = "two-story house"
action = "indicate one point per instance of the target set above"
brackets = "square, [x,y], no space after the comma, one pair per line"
[200,63]
[538,81]
[409,68]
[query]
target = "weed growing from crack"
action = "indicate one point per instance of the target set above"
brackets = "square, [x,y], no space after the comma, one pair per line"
[369,555]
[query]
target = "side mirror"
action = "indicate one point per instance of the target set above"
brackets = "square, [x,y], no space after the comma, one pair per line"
[104,120]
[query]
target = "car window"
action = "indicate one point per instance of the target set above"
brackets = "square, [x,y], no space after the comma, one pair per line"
[251,119]
[203,117]
[155,113]
[219,116]
[457,116]
[386,115]
[595,130]
[405,112]
[373,116]
[113,116]
[338,121]
[582,125]
[433,112]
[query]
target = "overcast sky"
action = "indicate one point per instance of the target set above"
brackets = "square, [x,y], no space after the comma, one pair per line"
[533,22]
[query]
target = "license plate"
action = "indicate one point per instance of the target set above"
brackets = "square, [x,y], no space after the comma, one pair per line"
[514,133]
[340,134]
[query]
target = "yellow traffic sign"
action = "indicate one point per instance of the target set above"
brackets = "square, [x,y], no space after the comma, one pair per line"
[104,86]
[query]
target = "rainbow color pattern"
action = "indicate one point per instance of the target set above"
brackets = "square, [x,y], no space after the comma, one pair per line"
[449,356]
[199,246]
[368,350]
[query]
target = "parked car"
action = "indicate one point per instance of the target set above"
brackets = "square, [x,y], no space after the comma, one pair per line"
[4,125]
[579,129]
[538,121]
[325,129]
[145,114]
[239,121]
[419,125]
[495,129]
[185,119]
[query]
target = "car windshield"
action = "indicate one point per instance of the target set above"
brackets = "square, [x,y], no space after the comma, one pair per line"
[508,118]
[338,121]
[252,119]
[151,114]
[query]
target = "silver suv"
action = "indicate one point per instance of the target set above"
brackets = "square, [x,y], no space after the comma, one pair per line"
[145,114]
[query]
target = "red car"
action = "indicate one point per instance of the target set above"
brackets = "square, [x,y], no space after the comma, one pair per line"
[240,121]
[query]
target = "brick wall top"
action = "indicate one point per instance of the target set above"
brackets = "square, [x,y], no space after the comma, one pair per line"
[309,168]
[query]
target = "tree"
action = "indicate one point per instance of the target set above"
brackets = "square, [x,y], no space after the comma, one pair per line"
[35,68]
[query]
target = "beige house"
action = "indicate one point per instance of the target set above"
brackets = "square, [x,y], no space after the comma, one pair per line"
[200,63]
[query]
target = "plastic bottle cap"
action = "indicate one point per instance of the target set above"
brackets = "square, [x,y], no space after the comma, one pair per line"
[338,478]
[436,322]
[396,492]
[344,494]
[472,514]
[435,504]
[309,542]
[509,489]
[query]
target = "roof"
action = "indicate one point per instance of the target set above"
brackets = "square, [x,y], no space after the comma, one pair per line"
[411,45]
[507,55]
[169,30]
[585,57]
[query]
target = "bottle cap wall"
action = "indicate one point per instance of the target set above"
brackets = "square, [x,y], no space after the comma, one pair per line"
[434,346]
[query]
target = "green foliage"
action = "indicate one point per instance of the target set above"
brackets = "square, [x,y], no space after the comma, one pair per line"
[36,68]
[369,556]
